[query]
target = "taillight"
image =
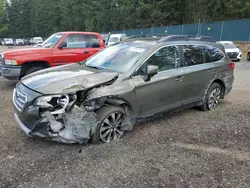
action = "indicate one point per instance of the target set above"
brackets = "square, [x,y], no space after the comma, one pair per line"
[232,65]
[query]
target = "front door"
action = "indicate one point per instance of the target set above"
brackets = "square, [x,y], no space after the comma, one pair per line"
[165,89]
[79,47]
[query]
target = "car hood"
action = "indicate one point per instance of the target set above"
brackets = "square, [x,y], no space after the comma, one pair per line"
[232,50]
[26,51]
[67,79]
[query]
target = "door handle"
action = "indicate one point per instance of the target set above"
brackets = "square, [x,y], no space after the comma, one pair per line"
[210,70]
[86,52]
[179,79]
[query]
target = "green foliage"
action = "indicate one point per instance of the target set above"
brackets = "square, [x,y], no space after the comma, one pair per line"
[26,18]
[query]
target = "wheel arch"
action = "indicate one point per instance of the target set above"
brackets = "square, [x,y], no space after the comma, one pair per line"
[29,64]
[223,87]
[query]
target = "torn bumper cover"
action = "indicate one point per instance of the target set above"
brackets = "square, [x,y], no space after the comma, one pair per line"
[76,126]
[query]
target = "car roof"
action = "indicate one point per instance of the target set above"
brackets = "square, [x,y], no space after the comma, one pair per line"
[79,32]
[158,42]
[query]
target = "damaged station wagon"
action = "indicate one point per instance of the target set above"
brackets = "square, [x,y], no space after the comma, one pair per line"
[101,98]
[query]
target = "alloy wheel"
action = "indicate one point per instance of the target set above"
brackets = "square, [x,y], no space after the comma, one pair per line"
[214,98]
[111,128]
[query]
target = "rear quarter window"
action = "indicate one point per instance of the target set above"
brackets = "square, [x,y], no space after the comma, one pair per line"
[213,54]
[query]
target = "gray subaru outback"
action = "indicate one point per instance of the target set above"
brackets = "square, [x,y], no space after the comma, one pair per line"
[101,98]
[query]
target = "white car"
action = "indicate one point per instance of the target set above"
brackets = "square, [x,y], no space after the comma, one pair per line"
[232,50]
[115,38]
[19,42]
[8,42]
[36,40]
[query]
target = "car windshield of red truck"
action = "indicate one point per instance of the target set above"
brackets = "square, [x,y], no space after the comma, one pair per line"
[52,40]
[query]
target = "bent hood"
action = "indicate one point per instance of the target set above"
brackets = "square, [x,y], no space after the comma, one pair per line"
[67,79]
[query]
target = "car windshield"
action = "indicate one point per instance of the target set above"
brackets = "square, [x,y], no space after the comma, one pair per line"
[52,41]
[8,40]
[118,58]
[229,45]
[114,39]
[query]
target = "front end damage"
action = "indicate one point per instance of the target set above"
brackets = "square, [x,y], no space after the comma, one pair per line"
[72,118]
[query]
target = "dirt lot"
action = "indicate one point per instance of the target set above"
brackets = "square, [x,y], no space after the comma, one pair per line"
[182,149]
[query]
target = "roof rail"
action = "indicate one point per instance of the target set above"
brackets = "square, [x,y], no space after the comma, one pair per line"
[187,38]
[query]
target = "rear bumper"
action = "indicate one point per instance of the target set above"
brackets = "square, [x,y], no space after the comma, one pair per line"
[10,72]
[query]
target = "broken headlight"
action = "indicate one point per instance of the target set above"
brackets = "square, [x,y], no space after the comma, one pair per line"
[44,102]
[53,102]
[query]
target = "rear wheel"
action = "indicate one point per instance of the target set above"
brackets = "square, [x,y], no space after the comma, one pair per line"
[212,97]
[248,56]
[110,128]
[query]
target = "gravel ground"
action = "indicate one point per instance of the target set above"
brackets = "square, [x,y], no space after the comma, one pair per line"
[183,149]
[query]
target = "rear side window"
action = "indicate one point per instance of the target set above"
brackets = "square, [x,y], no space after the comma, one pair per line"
[193,55]
[82,41]
[214,53]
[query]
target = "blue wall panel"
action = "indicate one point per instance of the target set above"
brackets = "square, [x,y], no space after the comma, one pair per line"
[235,30]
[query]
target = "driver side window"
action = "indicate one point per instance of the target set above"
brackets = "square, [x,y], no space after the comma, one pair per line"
[166,58]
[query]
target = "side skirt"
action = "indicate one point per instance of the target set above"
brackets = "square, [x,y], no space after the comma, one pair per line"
[175,109]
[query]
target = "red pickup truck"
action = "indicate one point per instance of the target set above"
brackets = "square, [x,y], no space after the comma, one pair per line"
[59,49]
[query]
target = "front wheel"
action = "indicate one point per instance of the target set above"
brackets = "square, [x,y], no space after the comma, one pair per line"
[212,97]
[110,128]
[32,69]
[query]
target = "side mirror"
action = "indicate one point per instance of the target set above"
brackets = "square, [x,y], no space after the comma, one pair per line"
[63,45]
[152,70]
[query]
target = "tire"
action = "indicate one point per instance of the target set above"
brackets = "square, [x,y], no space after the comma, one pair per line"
[212,97]
[31,70]
[106,127]
[248,56]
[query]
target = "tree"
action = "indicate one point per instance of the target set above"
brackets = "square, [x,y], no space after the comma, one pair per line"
[26,18]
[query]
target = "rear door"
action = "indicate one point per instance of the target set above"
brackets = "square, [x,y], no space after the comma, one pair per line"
[79,47]
[198,75]
[165,89]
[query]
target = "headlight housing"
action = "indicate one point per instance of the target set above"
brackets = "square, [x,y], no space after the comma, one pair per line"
[43,102]
[56,104]
[10,62]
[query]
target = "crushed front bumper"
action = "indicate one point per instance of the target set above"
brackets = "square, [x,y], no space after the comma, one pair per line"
[76,126]
[21,125]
